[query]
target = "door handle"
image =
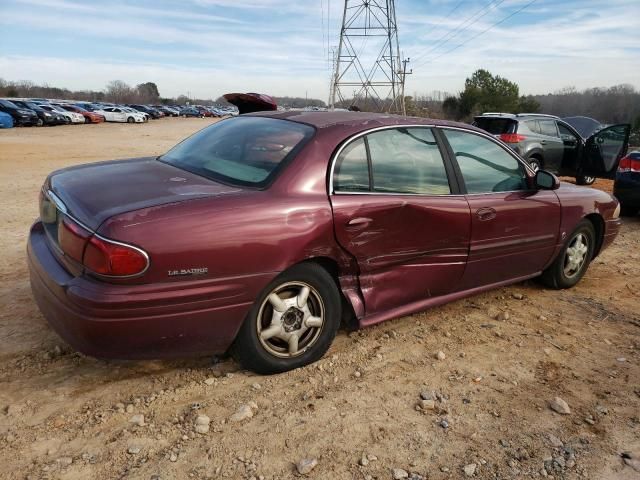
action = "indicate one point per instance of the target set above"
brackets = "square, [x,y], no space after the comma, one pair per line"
[359,222]
[486,213]
[543,142]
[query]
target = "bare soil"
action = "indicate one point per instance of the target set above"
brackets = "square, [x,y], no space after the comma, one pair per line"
[508,353]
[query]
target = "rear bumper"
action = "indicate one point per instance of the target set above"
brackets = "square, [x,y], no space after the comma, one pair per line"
[172,319]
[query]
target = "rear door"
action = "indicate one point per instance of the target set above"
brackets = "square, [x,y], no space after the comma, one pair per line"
[514,228]
[552,144]
[603,151]
[396,212]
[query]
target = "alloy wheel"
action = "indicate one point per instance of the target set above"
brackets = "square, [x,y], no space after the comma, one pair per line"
[576,255]
[290,319]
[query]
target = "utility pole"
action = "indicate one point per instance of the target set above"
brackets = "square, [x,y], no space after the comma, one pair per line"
[375,69]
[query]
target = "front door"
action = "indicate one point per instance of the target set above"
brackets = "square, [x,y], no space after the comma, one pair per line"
[514,228]
[395,213]
[604,150]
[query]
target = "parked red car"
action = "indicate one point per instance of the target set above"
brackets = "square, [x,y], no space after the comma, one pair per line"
[263,231]
[89,117]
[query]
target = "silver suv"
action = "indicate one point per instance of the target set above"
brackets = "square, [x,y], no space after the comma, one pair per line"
[579,147]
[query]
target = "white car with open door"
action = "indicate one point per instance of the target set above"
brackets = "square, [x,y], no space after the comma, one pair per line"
[119,114]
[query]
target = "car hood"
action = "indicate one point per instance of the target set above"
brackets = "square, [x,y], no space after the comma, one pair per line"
[585,126]
[93,193]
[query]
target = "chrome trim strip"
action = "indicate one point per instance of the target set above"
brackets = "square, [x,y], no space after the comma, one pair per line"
[56,201]
[63,209]
[441,127]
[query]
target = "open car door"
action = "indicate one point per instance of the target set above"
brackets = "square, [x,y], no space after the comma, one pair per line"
[251,102]
[603,151]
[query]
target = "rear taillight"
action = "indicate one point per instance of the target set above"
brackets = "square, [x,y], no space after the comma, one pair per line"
[106,257]
[512,137]
[72,238]
[628,164]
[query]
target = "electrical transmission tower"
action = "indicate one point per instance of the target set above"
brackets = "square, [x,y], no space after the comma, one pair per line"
[373,82]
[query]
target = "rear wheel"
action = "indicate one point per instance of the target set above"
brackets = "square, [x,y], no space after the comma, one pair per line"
[292,323]
[585,180]
[574,258]
[535,162]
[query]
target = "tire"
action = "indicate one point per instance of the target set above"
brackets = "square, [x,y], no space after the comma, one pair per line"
[535,163]
[276,352]
[87,120]
[628,211]
[67,121]
[130,120]
[566,271]
[585,180]
[40,122]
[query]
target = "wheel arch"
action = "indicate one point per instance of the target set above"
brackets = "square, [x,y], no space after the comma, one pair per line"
[536,153]
[598,224]
[350,298]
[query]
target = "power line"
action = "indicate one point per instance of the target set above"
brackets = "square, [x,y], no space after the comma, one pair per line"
[462,27]
[480,33]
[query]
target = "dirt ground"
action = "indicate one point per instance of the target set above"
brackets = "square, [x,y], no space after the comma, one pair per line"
[508,353]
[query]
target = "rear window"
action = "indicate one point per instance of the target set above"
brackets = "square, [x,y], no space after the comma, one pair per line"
[247,151]
[496,126]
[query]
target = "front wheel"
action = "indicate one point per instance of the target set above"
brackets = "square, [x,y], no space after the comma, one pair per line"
[292,323]
[130,120]
[585,180]
[574,258]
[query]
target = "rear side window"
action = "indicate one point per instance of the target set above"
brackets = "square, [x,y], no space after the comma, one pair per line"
[548,127]
[407,160]
[486,167]
[245,151]
[495,126]
[533,126]
[352,168]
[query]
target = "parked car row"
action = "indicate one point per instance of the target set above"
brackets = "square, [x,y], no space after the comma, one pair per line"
[43,112]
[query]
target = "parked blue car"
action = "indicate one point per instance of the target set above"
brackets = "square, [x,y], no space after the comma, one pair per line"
[627,185]
[6,121]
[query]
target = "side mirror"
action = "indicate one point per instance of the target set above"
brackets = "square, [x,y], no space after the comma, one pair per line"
[546,180]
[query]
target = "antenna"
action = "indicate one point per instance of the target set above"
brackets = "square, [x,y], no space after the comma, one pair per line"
[380,85]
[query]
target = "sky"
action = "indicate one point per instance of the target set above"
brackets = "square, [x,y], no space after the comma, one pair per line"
[205,48]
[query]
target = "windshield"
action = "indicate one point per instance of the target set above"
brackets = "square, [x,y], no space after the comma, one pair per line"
[8,104]
[245,150]
[495,125]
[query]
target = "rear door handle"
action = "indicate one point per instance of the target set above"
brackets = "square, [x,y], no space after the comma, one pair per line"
[486,213]
[359,222]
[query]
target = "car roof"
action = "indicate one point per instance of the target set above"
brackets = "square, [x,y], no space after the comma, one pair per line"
[515,116]
[365,120]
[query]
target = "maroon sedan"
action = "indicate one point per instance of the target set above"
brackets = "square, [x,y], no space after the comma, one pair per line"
[262,232]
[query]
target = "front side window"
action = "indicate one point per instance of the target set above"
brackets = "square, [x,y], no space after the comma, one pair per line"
[244,151]
[486,167]
[407,160]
